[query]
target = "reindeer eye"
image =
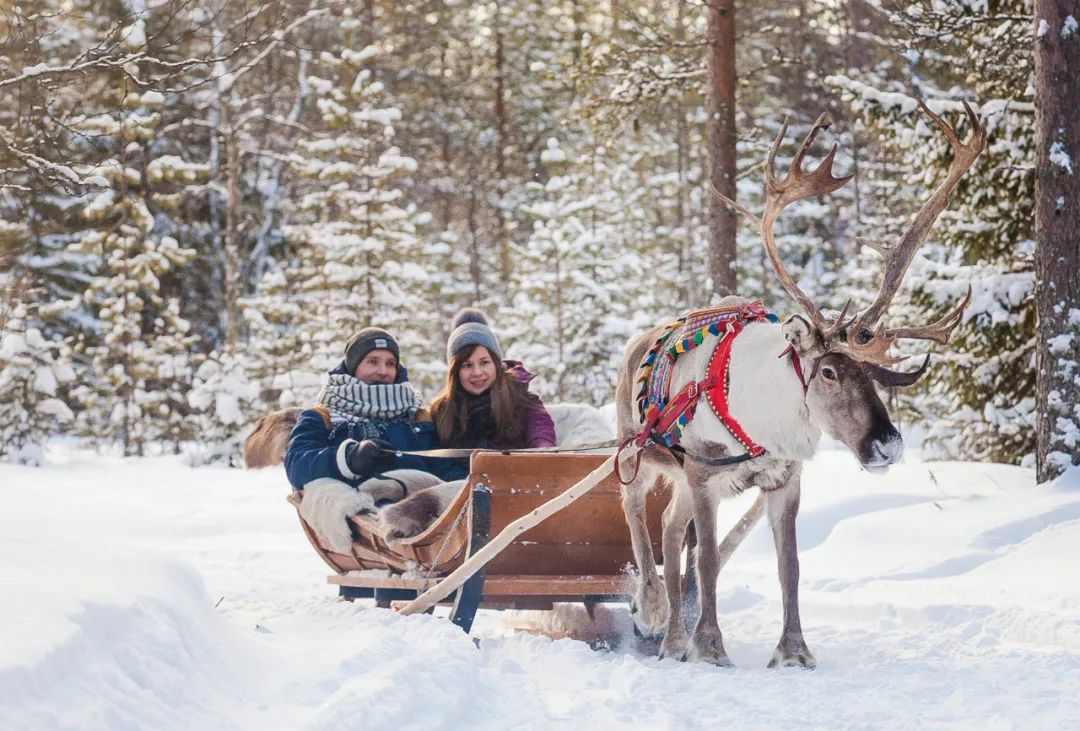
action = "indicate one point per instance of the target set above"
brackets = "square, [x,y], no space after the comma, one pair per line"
[828,373]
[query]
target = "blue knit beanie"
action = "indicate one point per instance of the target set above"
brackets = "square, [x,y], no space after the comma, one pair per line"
[470,327]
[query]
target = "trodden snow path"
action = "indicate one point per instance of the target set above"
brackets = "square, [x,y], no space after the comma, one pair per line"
[143,594]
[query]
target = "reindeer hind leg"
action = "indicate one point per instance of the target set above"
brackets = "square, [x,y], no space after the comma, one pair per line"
[676,520]
[648,605]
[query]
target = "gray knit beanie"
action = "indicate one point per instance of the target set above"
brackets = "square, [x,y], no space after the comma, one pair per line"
[365,341]
[469,327]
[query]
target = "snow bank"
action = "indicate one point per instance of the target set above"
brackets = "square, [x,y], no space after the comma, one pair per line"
[141,593]
[101,637]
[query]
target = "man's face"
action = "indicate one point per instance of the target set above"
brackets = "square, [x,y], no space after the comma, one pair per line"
[378,366]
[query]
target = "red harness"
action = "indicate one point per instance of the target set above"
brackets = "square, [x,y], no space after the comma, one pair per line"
[715,389]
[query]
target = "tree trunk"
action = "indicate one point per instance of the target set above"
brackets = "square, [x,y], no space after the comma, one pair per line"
[685,235]
[232,233]
[474,249]
[721,101]
[501,239]
[1057,228]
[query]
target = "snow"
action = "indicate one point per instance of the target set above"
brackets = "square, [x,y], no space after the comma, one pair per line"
[141,593]
[1060,343]
[360,57]
[1060,157]
[552,153]
[133,37]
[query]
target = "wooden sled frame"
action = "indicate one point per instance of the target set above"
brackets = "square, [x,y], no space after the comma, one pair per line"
[581,554]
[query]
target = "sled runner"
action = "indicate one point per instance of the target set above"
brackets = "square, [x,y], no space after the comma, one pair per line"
[579,555]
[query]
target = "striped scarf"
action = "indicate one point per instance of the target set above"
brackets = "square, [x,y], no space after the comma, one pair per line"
[371,407]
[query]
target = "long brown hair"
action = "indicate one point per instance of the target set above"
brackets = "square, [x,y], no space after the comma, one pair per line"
[508,400]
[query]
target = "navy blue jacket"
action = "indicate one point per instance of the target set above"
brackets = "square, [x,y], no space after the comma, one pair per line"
[317,450]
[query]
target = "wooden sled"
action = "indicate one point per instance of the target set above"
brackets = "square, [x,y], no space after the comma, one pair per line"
[580,554]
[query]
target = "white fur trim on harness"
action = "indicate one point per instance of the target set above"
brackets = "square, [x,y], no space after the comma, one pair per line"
[342,463]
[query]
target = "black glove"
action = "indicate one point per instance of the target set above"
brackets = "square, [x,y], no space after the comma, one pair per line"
[368,457]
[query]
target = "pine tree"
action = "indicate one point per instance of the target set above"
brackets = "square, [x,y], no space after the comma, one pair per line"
[571,289]
[224,403]
[136,350]
[32,372]
[278,354]
[354,233]
[1057,75]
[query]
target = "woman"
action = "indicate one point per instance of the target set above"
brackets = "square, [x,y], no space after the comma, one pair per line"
[485,404]
[486,401]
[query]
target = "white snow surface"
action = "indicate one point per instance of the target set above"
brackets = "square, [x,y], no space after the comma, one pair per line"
[145,594]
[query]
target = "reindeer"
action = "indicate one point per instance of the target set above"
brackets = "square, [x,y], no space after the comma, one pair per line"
[786,384]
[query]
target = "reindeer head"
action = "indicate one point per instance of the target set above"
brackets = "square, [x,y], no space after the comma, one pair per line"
[840,356]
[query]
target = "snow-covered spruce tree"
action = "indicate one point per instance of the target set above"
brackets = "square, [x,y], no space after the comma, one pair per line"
[278,355]
[571,306]
[356,252]
[134,350]
[225,402]
[31,370]
[979,396]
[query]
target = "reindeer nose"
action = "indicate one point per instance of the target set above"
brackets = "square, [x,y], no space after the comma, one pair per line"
[888,447]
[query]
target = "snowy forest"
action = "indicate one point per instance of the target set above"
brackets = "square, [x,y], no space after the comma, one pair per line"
[200,200]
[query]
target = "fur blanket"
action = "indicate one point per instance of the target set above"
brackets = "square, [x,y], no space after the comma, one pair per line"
[265,445]
[328,503]
[577,424]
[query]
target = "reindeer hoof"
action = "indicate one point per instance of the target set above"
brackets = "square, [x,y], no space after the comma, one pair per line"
[794,656]
[709,647]
[648,609]
[674,648]
[720,661]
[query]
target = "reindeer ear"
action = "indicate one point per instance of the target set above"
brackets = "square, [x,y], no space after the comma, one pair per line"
[799,332]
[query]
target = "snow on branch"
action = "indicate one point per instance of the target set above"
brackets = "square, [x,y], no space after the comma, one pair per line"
[61,174]
[907,104]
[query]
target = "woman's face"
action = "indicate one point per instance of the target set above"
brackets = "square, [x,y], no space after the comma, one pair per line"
[378,366]
[477,373]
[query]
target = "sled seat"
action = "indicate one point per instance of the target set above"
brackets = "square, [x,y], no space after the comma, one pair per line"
[579,554]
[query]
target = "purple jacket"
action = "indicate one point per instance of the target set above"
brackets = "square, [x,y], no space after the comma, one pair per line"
[539,428]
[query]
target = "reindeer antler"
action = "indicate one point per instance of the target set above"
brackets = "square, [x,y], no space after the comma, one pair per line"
[866,340]
[796,185]
[939,331]
[898,257]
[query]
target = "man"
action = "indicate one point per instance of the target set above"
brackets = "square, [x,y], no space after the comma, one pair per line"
[367,410]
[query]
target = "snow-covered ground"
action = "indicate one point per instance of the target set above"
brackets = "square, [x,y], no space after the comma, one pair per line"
[143,594]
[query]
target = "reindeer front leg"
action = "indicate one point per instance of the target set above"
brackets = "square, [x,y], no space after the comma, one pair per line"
[783,507]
